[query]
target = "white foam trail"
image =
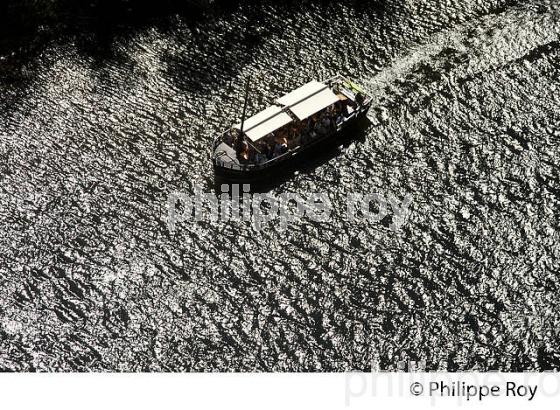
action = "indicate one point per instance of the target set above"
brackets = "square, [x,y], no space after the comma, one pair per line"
[488,43]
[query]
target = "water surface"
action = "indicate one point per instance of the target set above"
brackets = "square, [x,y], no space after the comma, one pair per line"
[98,130]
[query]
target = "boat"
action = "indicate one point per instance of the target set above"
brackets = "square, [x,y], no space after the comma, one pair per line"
[299,123]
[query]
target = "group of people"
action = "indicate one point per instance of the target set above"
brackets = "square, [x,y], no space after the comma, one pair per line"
[237,141]
[291,136]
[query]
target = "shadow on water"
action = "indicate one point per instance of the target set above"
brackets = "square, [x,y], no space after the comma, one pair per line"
[22,19]
[95,28]
[305,164]
[28,27]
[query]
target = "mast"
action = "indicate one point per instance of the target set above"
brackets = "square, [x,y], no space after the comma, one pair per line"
[247,86]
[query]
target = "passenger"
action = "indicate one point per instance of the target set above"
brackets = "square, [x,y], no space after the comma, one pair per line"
[231,137]
[327,123]
[317,122]
[314,125]
[295,142]
[360,99]
[294,132]
[339,119]
[308,126]
[338,107]
[252,154]
[277,150]
[281,147]
[241,148]
[306,129]
[350,108]
[245,157]
[280,135]
[260,156]
[228,138]
[284,145]
[265,150]
[323,127]
[316,118]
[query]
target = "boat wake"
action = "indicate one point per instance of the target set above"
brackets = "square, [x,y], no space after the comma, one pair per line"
[472,49]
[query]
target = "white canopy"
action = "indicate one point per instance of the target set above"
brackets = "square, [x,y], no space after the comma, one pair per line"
[265,122]
[308,99]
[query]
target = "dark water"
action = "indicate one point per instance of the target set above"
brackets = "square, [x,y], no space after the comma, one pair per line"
[98,129]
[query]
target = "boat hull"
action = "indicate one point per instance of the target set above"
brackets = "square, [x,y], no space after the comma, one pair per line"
[289,162]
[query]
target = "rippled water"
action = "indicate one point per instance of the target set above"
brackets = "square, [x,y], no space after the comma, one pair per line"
[96,134]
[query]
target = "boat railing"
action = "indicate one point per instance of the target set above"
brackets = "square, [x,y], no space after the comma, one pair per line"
[244,167]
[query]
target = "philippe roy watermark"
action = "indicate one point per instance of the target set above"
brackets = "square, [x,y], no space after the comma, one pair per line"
[238,204]
[451,388]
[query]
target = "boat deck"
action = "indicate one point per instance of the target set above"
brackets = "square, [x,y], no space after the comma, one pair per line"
[303,118]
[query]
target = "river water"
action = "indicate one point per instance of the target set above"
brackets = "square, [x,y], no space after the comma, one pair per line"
[98,129]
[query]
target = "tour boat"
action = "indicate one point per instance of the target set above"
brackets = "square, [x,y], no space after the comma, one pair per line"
[299,123]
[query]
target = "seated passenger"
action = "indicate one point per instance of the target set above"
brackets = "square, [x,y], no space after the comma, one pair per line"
[308,124]
[294,132]
[339,119]
[338,107]
[244,157]
[323,125]
[284,145]
[241,149]
[281,147]
[260,158]
[360,99]
[326,123]
[295,142]
[277,150]
[261,153]
[253,154]
[230,136]
[265,150]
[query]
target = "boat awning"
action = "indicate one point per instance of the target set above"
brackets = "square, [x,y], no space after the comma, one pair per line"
[309,99]
[265,122]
